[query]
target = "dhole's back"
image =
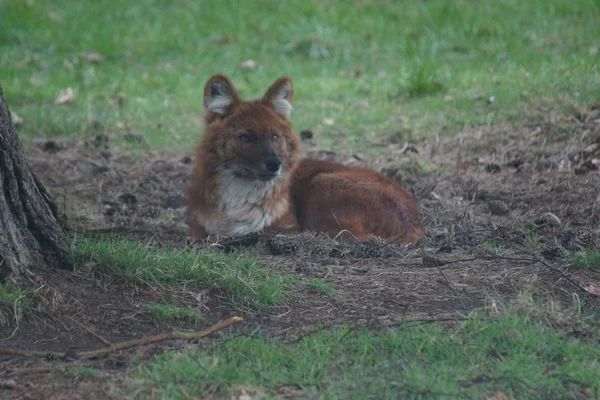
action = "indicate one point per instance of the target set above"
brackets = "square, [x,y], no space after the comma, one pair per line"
[331,197]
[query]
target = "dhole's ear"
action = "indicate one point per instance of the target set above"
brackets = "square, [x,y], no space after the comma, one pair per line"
[220,97]
[279,96]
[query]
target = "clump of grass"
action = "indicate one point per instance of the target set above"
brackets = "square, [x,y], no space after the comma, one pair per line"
[476,358]
[312,45]
[168,311]
[14,303]
[81,371]
[533,236]
[540,307]
[239,279]
[322,287]
[495,248]
[424,80]
[586,260]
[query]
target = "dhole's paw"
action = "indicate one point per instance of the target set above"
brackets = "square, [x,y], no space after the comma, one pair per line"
[280,245]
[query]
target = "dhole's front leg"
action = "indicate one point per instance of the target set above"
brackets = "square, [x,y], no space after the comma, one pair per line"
[198,232]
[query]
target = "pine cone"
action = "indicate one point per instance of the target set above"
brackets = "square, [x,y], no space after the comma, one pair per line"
[368,251]
[498,207]
[336,253]
[279,245]
[493,168]
[586,239]
[553,253]
[320,251]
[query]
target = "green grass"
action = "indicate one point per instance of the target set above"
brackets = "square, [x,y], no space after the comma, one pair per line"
[495,248]
[586,260]
[82,371]
[374,67]
[322,287]
[240,280]
[14,303]
[168,311]
[512,353]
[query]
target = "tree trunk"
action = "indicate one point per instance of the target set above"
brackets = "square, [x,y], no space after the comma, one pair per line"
[31,232]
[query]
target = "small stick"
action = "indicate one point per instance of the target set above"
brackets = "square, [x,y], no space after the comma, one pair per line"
[89,330]
[27,371]
[553,269]
[128,344]
[8,384]
[449,285]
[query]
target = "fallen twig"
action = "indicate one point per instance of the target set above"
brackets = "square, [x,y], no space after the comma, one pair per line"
[28,371]
[8,384]
[89,330]
[558,271]
[453,289]
[443,263]
[424,321]
[125,345]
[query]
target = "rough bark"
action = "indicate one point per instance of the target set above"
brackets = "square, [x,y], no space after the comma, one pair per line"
[32,235]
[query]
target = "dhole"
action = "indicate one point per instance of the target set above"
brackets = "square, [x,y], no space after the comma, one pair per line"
[249,177]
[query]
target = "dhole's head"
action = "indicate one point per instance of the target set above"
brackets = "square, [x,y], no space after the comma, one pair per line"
[253,140]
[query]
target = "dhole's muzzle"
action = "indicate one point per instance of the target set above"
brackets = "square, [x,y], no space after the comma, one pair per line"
[270,166]
[261,161]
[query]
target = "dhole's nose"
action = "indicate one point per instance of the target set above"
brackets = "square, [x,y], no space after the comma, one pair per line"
[273,164]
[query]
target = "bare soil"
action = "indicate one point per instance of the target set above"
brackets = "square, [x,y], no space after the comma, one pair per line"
[504,208]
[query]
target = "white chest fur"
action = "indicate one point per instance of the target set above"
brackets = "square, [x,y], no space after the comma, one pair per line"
[243,207]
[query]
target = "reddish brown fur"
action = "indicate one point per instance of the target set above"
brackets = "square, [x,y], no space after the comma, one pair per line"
[329,197]
[307,194]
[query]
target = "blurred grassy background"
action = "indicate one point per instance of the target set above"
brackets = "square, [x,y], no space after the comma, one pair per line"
[367,68]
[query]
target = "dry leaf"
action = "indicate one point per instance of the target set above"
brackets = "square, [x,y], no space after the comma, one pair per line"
[54,16]
[462,165]
[65,96]
[593,289]
[16,119]
[68,64]
[119,99]
[499,396]
[93,57]
[537,131]
[223,39]
[249,64]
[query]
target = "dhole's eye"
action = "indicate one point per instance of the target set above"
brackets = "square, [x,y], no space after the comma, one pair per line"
[244,138]
[275,137]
